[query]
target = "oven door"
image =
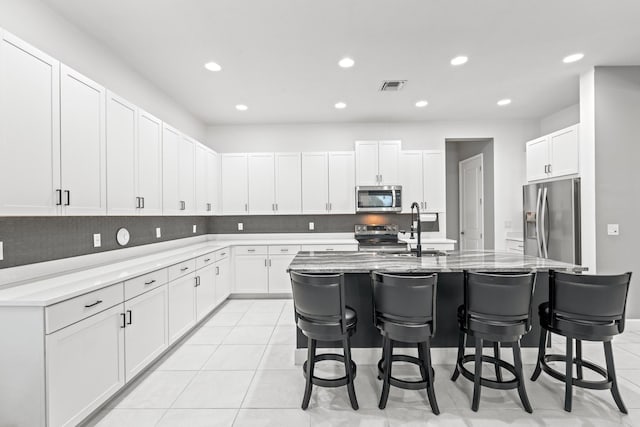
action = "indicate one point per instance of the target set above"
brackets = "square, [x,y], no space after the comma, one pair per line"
[379,199]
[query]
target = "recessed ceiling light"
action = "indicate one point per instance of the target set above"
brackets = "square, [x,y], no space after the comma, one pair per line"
[212,66]
[346,62]
[241,107]
[573,58]
[504,102]
[340,105]
[459,60]
[422,103]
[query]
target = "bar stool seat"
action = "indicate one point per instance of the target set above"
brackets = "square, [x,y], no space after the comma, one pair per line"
[583,308]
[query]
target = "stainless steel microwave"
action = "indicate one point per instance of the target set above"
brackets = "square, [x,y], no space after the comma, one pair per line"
[379,198]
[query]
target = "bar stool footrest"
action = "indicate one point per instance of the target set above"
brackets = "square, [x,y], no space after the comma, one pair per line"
[593,385]
[486,382]
[329,382]
[405,384]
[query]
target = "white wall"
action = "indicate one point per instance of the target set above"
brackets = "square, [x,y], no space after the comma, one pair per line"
[509,149]
[42,27]
[560,119]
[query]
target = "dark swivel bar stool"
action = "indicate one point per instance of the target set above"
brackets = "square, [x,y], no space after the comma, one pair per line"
[404,307]
[583,307]
[497,308]
[321,315]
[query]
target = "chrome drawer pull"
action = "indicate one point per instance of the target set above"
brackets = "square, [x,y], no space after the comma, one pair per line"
[94,304]
[150,282]
[207,260]
[184,268]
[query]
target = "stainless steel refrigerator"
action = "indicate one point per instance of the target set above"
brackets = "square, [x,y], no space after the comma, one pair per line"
[551,213]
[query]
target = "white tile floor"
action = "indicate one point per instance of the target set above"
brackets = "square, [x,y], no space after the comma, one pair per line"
[238,370]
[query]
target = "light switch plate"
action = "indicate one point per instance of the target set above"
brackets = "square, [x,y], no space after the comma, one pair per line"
[613,229]
[312,226]
[97,240]
[194,228]
[1,251]
[240,226]
[158,233]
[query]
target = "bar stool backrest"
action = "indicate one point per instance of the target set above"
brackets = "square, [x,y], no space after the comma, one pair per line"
[405,298]
[499,297]
[319,298]
[589,298]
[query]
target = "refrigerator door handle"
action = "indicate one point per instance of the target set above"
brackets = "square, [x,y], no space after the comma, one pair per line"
[543,232]
[538,223]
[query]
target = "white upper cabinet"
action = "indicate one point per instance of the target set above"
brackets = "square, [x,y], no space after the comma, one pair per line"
[377,162]
[201,163]
[261,183]
[434,176]
[29,130]
[213,179]
[411,179]
[121,156]
[342,198]
[149,157]
[315,183]
[234,185]
[186,175]
[288,181]
[82,144]
[553,155]
[170,196]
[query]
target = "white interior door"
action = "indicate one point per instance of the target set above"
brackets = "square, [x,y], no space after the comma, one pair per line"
[261,183]
[471,215]
[29,129]
[149,163]
[288,183]
[315,183]
[121,156]
[342,187]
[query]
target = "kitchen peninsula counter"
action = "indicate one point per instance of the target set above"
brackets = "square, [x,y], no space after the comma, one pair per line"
[450,289]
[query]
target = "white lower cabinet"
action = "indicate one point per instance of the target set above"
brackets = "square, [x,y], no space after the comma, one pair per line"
[205,291]
[263,269]
[182,307]
[85,365]
[251,274]
[223,279]
[146,329]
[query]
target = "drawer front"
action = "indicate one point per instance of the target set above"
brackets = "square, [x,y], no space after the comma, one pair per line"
[284,249]
[65,313]
[205,260]
[142,284]
[222,254]
[181,269]
[251,250]
[329,248]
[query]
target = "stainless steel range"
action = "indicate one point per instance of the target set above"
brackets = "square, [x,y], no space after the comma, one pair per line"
[379,238]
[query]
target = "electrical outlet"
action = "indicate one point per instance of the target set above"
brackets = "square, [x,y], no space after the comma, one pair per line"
[1,251]
[613,229]
[312,226]
[194,228]
[240,226]
[158,233]
[97,240]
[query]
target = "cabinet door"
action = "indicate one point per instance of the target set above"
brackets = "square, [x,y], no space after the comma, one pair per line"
[563,149]
[367,163]
[146,333]
[149,163]
[279,280]
[82,144]
[201,174]
[342,189]
[233,173]
[29,129]
[388,156]
[186,175]
[288,183]
[434,175]
[170,196]
[84,366]
[212,183]
[411,179]
[251,274]
[223,280]
[537,159]
[205,291]
[261,183]
[315,183]
[121,156]
[182,308]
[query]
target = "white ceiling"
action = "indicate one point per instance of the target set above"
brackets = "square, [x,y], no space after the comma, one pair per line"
[280,57]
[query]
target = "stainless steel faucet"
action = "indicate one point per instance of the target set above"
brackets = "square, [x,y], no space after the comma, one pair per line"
[419,228]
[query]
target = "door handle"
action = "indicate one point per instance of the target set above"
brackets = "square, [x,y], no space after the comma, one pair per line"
[59,196]
[130,317]
[68,194]
[538,201]
[545,251]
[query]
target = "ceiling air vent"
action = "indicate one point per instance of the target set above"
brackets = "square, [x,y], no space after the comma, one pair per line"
[392,85]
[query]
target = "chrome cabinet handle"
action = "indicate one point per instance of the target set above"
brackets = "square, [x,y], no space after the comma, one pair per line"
[217,271]
[208,207]
[330,207]
[223,254]
[269,262]
[197,281]
[207,259]
[68,196]
[150,282]
[138,203]
[59,195]
[124,321]
[284,250]
[130,317]
[549,167]
[276,206]
[246,207]
[184,268]
[265,262]
[142,199]
[94,304]
[251,250]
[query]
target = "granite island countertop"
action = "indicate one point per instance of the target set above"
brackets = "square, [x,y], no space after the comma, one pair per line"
[479,260]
